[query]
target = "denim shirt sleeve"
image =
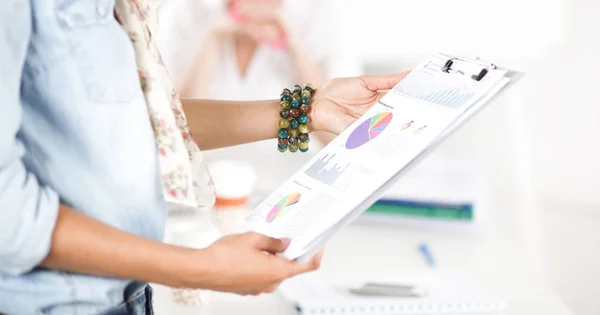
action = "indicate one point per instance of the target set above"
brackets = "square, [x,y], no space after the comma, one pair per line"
[28,209]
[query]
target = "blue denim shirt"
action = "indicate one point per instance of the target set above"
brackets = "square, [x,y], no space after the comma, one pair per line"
[74,128]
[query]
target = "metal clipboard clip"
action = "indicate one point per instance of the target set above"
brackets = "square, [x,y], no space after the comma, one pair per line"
[451,67]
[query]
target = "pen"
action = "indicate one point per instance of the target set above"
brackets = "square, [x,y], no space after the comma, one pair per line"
[424,249]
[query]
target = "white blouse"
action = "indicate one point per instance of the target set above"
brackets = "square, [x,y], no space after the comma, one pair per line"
[183,23]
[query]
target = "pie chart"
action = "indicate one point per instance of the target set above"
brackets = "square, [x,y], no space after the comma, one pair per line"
[368,130]
[284,206]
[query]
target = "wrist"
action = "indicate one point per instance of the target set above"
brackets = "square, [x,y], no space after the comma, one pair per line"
[313,122]
[190,268]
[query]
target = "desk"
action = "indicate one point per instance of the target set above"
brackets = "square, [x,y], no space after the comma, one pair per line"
[491,261]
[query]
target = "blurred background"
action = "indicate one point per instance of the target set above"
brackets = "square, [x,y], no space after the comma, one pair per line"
[540,141]
[537,148]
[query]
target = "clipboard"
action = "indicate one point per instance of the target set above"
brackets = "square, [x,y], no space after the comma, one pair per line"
[476,69]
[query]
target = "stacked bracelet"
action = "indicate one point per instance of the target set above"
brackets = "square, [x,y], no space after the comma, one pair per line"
[293,128]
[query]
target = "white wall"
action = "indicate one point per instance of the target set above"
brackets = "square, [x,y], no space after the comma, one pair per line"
[567,150]
[495,28]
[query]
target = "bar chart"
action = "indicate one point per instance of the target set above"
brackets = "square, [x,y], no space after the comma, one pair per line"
[448,98]
[326,170]
[450,90]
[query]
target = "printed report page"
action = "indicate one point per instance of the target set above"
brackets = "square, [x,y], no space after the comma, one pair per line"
[368,153]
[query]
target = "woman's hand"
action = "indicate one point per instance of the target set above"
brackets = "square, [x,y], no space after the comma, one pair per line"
[340,102]
[246,264]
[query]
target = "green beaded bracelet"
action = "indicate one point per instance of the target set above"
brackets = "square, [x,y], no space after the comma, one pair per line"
[295,104]
[284,123]
[303,119]
[305,109]
[284,113]
[303,145]
[294,113]
[283,133]
[303,137]
[293,128]
[294,123]
[303,128]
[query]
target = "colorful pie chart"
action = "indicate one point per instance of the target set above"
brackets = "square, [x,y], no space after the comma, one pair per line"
[284,206]
[368,130]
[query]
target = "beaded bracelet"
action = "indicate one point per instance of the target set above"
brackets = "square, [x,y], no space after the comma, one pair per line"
[293,128]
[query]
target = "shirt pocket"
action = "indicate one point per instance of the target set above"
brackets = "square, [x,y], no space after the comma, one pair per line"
[101,50]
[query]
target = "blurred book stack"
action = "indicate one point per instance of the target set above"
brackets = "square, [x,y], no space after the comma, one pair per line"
[436,192]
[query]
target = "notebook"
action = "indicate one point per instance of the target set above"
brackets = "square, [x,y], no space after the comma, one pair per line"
[317,294]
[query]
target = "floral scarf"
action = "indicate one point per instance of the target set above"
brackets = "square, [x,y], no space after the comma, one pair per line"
[186,181]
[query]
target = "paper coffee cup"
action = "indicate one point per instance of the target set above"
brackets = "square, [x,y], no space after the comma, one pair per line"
[234,181]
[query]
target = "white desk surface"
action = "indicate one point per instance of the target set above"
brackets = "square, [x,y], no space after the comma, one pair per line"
[371,249]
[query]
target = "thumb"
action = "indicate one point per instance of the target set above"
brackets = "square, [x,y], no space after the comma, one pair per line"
[269,244]
[382,82]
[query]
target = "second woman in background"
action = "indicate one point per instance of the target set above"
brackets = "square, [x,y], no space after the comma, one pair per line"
[249,50]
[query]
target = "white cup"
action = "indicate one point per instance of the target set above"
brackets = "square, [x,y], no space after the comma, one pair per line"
[234,182]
